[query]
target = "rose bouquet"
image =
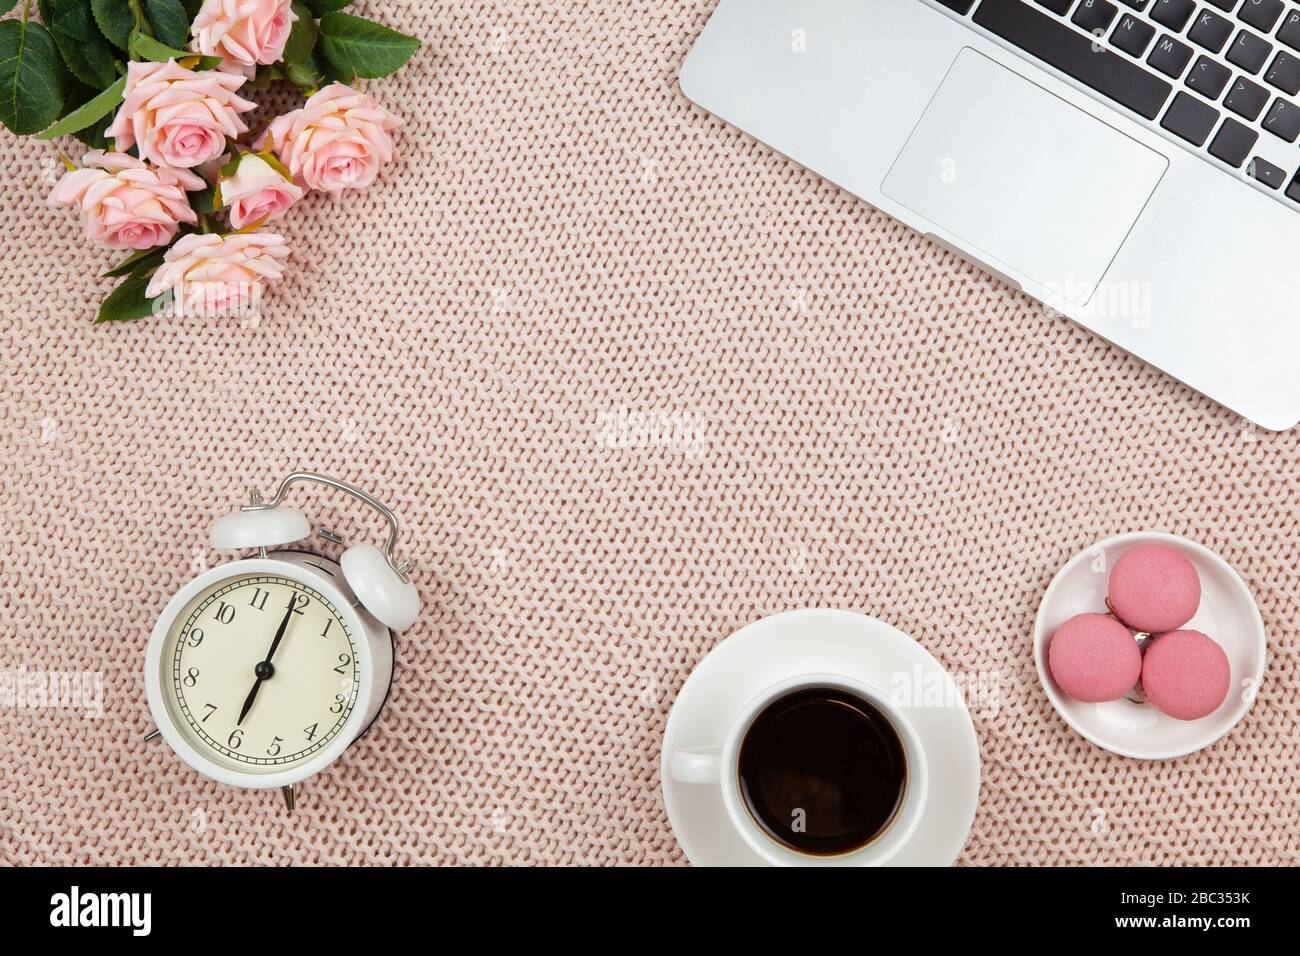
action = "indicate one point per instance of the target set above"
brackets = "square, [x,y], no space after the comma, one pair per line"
[158,89]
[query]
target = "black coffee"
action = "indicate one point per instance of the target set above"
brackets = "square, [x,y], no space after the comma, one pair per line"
[823,771]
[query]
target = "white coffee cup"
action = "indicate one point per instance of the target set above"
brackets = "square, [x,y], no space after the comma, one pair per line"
[718,766]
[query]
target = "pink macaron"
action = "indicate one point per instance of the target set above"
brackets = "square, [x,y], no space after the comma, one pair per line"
[1094,658]
[1185,674]
[1154,588]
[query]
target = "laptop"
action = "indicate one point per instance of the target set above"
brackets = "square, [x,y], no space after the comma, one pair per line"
[1131,164]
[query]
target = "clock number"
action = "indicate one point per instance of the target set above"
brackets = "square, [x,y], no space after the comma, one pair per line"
[196,637]
[225,612]
[259,599]
[311,731]
[328,622]
[337,706]
[212,709]
[299,603]
[344,661]
[274,749]
[191,677]
[236,738]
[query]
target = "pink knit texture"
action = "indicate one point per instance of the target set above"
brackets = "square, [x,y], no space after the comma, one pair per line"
[631,380]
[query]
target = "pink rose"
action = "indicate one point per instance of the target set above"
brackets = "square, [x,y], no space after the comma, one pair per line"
[338,140]
[178,117]
[212,275]
[248,32]
[257,191]
[127,204]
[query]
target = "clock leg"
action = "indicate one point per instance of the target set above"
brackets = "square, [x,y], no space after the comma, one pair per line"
[288,794]
[150,736]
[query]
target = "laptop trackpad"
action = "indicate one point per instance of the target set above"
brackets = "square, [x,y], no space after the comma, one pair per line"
[1024,179]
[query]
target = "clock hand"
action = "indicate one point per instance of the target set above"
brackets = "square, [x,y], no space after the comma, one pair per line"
[293,603]
[263,668]
[248,701]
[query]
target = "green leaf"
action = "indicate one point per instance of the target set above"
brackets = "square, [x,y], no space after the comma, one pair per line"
[79,94]
[75,93]
[88,112]
[321,7]
[305,78]
[263,78]
[147,48]
[32,77]
[96,134]
[128,301]
[6,6]
[362,47]
[322,67]
[201,200]
[144,259]
[115,20]
[171,24]
[88,55]
[302,37]
[192,8]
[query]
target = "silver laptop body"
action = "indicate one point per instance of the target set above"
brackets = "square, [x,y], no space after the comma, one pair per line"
[1057,166]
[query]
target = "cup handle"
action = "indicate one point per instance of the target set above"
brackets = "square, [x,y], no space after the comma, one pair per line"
[696,765]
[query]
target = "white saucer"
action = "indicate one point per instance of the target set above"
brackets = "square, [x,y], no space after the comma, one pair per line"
[1228,614]
[834,642]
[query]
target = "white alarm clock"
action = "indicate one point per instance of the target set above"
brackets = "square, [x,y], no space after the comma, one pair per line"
[261,672]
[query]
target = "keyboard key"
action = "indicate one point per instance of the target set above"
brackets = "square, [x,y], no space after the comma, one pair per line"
[1189,118]
[1266,173]
[1061,7]
[1260,14]
[1290,32]
[1224,4]
[1293,191]
[1095,16]
[1284,73]
[1133,36]
[1138,5]
[1170,57]
[958,6]
[1283,120]
[1246,99]
[1074,54]
[1210,31]
[1173,14]
[1249,52]
[1233,142]
[1208,77]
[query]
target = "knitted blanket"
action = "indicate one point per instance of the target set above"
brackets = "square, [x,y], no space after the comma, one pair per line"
[631,381]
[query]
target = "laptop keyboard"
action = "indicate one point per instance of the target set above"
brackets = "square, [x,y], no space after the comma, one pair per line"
[1218,75]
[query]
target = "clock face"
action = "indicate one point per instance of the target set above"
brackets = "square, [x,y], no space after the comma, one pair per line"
[259,672]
